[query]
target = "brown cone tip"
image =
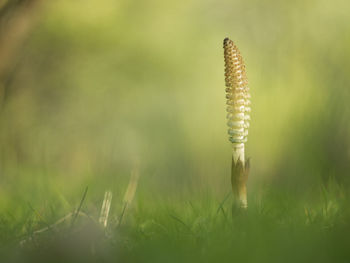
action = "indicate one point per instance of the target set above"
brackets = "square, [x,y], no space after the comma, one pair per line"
[227,40]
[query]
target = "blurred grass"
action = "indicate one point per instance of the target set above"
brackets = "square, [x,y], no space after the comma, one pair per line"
[279,226]
[99,86]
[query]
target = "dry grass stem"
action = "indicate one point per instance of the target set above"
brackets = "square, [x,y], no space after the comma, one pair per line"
[106,205]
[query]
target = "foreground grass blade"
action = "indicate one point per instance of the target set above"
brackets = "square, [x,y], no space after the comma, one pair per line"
[106,205]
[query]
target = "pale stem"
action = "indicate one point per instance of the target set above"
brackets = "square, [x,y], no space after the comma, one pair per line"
[241,194]
[106,205]
[238,152]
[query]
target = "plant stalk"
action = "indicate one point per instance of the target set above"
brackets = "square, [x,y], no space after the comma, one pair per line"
[238,115]
[239,176]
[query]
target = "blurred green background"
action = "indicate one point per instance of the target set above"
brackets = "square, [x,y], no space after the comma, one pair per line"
[92,90]
[95,88]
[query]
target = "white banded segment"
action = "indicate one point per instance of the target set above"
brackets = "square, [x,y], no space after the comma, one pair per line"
[237,94]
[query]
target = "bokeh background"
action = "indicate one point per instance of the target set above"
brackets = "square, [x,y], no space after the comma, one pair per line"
[89,90]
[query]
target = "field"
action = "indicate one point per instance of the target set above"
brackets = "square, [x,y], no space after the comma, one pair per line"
[92,93]
[197,227]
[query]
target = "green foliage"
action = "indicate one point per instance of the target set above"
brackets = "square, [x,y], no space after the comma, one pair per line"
[278,226]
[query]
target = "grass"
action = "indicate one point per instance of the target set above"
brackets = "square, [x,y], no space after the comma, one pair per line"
[285,226]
